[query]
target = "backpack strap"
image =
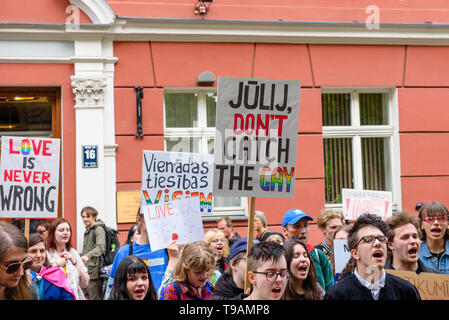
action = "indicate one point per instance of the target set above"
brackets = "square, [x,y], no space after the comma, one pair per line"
[94,238]
[131,249]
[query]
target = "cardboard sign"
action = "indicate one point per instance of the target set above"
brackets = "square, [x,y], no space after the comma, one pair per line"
[431,286]
[341,254]
[358,202]
[168,176]
[256,140]
[175,220]
[29,177]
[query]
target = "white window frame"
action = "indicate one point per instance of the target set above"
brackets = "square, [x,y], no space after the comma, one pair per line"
[203,133]
[357,131]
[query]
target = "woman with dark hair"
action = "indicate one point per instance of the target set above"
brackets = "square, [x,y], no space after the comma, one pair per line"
[434,252]
[132,281]
[61,253]
[49,281]
[302,284]
[14,260]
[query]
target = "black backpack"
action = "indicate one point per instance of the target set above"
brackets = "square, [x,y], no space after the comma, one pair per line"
[112,245]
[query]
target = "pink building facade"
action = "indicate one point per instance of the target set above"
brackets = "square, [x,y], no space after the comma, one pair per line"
[373,101]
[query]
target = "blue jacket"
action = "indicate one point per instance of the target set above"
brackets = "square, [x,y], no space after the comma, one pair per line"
[432,262]
[48,290]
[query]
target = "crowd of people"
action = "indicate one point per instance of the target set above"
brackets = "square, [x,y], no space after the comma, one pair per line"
[279,265]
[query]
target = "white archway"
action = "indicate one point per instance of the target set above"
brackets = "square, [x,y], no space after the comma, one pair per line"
[99,11]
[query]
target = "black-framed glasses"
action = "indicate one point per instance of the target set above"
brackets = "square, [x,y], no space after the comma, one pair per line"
[272,276]
[371,239]
[41,231]
[13,267]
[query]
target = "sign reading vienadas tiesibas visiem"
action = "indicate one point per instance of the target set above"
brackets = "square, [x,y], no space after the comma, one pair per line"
[29,180]
[256,137]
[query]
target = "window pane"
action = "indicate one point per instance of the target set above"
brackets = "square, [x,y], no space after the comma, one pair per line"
[374,154]
[211,104]
[182,144]
[337,167]
[180,110]
[24,113]
[373,109]
[336,108]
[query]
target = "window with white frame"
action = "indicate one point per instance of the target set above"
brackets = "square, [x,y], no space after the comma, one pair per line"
[190,127]
[360,142]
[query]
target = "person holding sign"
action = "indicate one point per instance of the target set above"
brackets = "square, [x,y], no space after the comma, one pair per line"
[368,244]
[404,243]
[434,225]
[192,274]
[267,271]
[14,260]
[302,284]
[296,226]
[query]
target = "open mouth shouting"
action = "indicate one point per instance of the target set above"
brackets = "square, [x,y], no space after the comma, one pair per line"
[277,292]
[436,231]
[139,293]
[413,252]
[378,255]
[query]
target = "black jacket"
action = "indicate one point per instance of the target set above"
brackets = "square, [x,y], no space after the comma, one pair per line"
[349,288]
[421,267]
[226,289]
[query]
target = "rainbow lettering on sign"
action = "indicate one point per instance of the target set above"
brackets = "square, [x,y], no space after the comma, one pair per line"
[277,176]
[205,202]
[25,147]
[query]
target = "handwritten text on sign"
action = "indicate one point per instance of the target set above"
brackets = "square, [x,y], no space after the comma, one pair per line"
[175,220]
[358,202]
[30,177]
[168,176]
[256,140]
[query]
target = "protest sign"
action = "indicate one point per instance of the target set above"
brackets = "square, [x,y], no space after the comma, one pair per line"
[29,177]
[358,202]
[431,286]
[174,220]
[168,176]
[341,254]
[256,140]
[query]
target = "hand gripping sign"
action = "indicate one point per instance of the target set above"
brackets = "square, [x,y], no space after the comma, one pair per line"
[29,177]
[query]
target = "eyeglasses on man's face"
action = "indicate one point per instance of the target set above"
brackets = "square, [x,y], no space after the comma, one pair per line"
[370,239]
[272,276]
[431,219]
[13,267]
[41,231]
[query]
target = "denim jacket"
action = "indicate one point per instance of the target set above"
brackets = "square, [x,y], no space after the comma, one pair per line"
[432,262]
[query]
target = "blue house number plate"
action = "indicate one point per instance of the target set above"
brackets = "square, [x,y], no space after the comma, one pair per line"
[90,156]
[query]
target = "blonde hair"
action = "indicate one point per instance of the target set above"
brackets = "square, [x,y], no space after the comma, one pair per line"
[328,214]
[195,255]
[215,233]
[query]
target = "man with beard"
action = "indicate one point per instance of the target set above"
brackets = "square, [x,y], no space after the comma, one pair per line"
[404,243]
[367,242]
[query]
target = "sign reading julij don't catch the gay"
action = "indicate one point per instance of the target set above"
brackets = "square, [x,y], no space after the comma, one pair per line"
[29,177]
[256,137]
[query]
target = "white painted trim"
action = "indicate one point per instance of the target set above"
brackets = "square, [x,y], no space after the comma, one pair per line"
[99,11]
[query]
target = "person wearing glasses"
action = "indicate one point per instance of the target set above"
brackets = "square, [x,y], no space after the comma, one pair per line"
[14,262]
[61,253]
[404,242]
[50,281]
[434,251]
[302,284]
[218,244]
[367,242]
[267,271]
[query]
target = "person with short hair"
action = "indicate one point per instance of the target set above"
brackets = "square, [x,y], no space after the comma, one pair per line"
[49,281]
[328,222]
[14,262]
[225,226]
[132,281]
[404,242]
[191,275]
[42,228]
[367,242]
[434,251]
[231,284]
[93,251]
[267,271]
[276,237]
[295,224]
[260,225]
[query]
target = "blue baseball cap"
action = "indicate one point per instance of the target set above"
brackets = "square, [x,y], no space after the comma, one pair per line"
[294,215]
[240,246]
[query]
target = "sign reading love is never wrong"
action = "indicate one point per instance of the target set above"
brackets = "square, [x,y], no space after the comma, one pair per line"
[29,177]
[174,220]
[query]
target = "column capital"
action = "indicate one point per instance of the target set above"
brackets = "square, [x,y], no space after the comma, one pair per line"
[89,92]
